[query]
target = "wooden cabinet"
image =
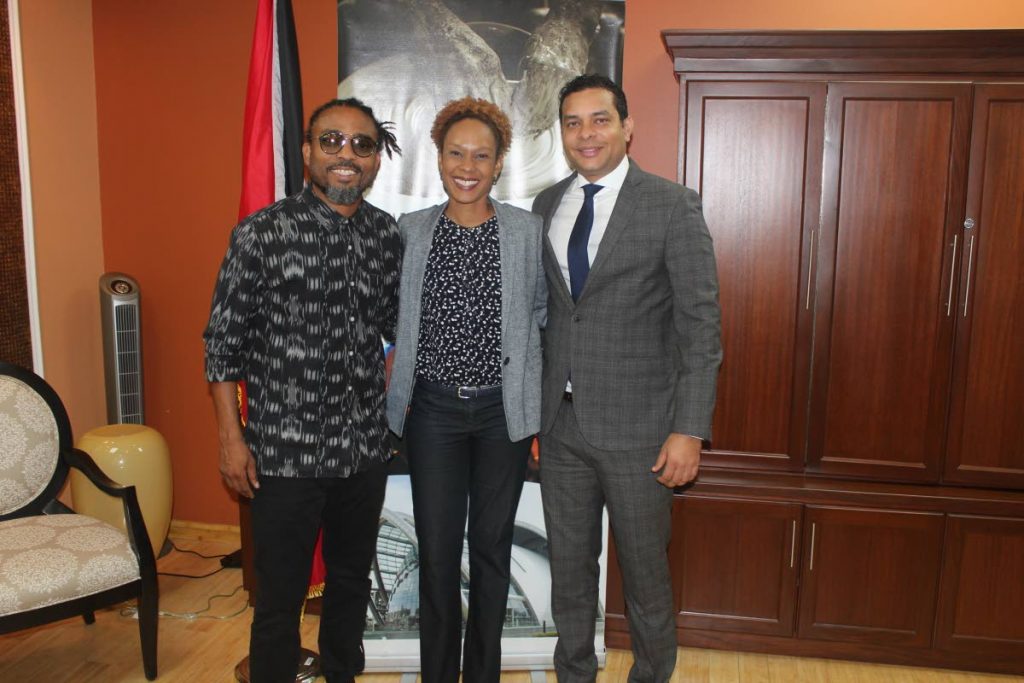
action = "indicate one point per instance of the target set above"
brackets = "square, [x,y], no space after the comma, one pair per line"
[986,435]
[893,188]
[864,192]
[865,575]
[738,563]
[982,605]
[756,160]
[789,563]
[870,575]
[869,231]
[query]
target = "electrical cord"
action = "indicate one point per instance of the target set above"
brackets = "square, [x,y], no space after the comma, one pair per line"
[197,554]
[191,576]
[132,611]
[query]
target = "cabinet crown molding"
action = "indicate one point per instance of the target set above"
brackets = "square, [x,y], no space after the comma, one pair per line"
[997,52]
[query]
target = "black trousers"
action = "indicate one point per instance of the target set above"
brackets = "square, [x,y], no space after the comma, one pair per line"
[459,451]
[286,514]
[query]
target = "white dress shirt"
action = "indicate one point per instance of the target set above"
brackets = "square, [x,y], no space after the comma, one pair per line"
[569,208]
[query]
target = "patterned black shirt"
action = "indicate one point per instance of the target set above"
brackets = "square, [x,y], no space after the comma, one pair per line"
[460,321]
[302,300]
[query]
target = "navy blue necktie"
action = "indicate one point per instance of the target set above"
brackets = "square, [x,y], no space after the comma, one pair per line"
[579,261]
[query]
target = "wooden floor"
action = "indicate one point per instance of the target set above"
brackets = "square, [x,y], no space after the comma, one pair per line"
[202,650]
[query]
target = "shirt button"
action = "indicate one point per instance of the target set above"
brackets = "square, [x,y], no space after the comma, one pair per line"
[576,318]
[351,318]
[350,247]
[351,353]
[350,387]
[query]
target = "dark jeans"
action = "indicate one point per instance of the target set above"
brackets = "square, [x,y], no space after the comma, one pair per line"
[459,449]
[286,514]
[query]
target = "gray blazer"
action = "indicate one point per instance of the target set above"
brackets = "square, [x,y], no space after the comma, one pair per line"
[523,312]
[643,341]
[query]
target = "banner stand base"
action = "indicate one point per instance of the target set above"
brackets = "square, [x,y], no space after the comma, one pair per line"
[535,677]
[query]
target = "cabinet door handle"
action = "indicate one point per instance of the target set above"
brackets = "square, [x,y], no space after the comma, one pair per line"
[952,269]
[792,545]
[810,269]
[814,528]
[970,262]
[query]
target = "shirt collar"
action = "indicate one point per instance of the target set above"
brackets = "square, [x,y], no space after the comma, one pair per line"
[612,181]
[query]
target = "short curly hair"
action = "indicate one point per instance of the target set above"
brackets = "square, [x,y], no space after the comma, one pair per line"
[473,108]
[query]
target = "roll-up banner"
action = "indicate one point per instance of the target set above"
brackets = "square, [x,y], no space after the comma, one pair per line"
[406,59]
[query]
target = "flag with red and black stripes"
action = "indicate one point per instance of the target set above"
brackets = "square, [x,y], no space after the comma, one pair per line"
[272,165]
[272,132]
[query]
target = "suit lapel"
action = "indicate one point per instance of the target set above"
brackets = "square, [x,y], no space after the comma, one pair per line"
[511,250]
[554,272]
[618,222]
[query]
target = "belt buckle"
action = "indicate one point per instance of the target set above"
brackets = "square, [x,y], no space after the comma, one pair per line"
[458,392]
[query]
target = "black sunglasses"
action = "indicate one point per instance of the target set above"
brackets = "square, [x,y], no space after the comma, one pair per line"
[332,141]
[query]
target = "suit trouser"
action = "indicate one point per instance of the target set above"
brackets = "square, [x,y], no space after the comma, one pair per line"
[286,515]
[577,480]
[459,449]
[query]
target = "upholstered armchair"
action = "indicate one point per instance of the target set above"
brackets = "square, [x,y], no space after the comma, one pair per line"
[56,564]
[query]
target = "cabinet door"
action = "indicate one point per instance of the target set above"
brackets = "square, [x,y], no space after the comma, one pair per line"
[870,575]
[982,597]
[753,151]
[736,565]
[893,182]
[986,436]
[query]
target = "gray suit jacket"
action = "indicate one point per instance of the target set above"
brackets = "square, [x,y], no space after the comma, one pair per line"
[523,302]
[642,344]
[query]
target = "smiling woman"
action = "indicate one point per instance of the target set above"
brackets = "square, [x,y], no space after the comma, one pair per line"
[472,137]
[469,165]
[465,386]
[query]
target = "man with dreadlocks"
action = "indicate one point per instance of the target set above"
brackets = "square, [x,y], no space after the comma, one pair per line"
[307,289]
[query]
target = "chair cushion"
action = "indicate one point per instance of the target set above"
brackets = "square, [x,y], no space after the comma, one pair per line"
[47,559]
[29,444]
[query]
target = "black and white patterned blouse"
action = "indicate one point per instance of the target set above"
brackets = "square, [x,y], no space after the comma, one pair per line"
[460,320]
[302,300]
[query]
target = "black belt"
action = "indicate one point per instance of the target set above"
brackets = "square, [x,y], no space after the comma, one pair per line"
[459,392]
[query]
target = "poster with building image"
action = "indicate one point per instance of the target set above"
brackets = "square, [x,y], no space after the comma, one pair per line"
[406,59]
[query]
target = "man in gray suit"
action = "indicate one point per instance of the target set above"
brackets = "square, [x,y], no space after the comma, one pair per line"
[631,356]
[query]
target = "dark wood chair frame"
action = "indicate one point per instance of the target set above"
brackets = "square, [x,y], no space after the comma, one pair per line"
[145,589]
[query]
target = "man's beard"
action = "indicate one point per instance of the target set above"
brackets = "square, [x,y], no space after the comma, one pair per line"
[345,196]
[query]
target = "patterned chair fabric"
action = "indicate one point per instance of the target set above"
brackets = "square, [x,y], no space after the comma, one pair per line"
[47,559]
[29,444]
[55,564]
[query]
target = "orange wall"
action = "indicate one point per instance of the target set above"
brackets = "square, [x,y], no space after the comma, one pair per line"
[170,80]
[170,89]
[650,83]
[60,104]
